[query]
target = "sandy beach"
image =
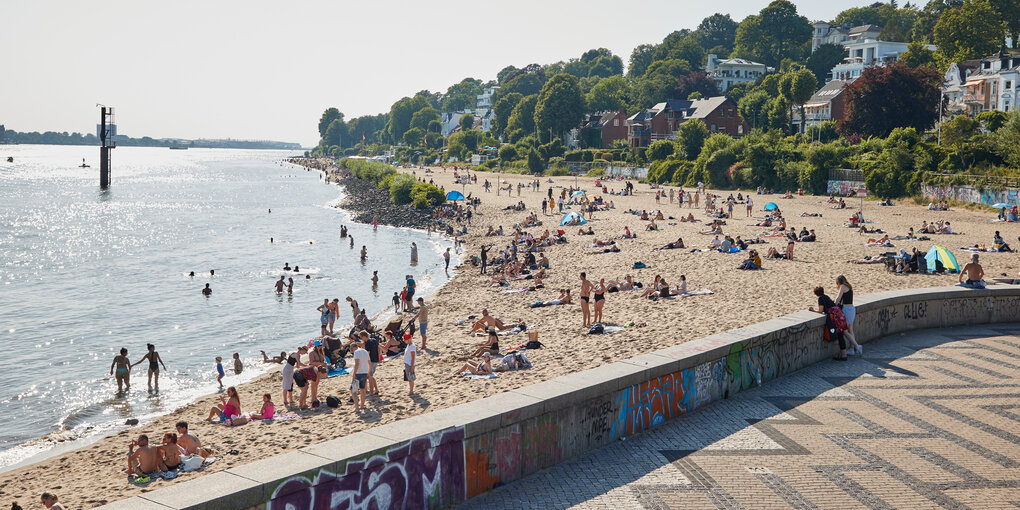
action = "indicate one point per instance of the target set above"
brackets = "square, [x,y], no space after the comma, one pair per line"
[94,474]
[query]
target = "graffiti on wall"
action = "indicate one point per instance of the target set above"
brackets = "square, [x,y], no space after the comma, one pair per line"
[651,403]
[425,472]
[485,472]
[970,194]
[843,187]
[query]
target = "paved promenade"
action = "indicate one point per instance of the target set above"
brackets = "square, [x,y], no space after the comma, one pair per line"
[926,419]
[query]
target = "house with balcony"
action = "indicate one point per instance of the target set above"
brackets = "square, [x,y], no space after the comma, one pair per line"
[661,121]
[868,53]
[825,33]
[829,103]
[602,129]
[991,84]
[731,71]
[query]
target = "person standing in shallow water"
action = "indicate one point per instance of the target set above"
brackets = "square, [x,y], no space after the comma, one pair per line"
[414,253]
[154,362]
[123,367]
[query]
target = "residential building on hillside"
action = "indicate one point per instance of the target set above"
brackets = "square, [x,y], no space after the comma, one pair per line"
[731,71]
[451,120]
[992,83]
[829,103]
[825,33]
[661,121]
[867,53]
[483,108]
[602,129]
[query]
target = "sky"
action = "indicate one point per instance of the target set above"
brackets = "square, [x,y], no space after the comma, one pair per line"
[260,70]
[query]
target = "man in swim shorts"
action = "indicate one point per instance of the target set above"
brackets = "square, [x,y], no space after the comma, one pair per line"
[189,442]
[146,459]
[423,320]
[123,367]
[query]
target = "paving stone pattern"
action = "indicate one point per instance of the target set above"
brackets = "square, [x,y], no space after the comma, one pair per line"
[927,419]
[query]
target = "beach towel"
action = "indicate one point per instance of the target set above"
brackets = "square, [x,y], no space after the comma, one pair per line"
[283,417]
[696,292]
[514,291]
[474,377]
[333,372]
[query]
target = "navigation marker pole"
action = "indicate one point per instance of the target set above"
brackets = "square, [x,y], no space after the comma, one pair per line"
[106,132]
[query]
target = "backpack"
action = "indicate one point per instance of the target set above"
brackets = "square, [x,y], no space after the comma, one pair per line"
[533,344]
[299,379]
[838,319]
[639,265]
[597,329]
[332,401]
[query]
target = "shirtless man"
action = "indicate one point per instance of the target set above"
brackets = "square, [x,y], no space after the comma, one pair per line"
[423,320]
[123,366]
[146,459]
[279,285]
[586,288]
[975,273]
[154,362]
[487,321]
[189,443]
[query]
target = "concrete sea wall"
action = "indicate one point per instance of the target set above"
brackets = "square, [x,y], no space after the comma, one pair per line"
[971,194]
[441,458]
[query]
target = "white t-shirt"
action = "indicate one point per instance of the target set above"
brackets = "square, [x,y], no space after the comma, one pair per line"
[411,349]
[749,203]
[365,364]
[288,376]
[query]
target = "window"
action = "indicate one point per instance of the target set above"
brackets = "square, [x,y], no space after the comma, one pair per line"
[616,122]
[740,129]
[713,128]
[1009,85]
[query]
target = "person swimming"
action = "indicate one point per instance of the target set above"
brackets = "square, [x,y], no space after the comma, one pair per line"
[286,266]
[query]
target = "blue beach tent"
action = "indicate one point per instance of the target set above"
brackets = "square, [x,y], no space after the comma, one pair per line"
[771,206]
[455,195]
[570,216]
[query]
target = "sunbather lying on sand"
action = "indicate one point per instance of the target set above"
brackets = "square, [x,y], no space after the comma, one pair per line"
[482,367]
[675,245]
[487,321]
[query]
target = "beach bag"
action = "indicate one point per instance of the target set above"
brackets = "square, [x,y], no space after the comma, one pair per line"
[639,265]
[838,319]
[332,401]
[191,462]
[299,379]
[533,344]
[597,329]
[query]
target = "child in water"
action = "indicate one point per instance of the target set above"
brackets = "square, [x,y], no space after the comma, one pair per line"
[238,366]
[219,370]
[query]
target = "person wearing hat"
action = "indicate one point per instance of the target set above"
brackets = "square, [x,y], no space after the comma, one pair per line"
[317,356]
[423,320]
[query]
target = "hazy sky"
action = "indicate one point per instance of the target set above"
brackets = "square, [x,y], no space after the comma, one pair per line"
[266,70]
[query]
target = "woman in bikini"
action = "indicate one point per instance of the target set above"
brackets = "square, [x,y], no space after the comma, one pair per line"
[586,288]
[170,452]
[154,362]
[600,300]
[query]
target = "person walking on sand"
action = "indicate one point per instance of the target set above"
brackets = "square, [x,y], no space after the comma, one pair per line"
[485,256]
[154,362]
[279,285]
[586,288]
[414,253]
[750,204]
[123,366]
[446,259]
[220,374]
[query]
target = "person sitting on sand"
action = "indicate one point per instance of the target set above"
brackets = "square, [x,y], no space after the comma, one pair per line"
[658,216]
[226,409]
[651,226]
[627,233]
[145,460]
[715,244]
[752,263]
[482,367]
[491,344]
[808,236]
[189,442]
[584,232]
[785,254]
[275,359]
[975,274]
[487,321]
[656,286]
[543,262]
[268,409]
[999,243]
[170,452]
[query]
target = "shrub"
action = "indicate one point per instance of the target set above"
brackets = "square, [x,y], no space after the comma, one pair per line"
[424,194]
[400,189]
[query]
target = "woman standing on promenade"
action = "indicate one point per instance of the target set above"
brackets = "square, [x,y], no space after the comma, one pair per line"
[845,299]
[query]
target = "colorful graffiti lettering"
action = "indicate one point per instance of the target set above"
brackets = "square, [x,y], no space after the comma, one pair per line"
[843,188]
[540,444]
[484,474]
[971,194]
[420,473]
[651,403]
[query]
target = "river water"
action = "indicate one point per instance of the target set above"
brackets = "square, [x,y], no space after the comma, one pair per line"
[84,273]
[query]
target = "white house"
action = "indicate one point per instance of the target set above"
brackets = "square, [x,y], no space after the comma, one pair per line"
[825,33]
[731,71]
[452,120]
[991,83]
[868,53]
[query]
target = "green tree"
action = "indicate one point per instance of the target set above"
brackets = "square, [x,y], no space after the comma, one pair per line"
[401,113]
[959,130]
[798,86]
[462,144]
[695,83]
[753,108]
[327,118]
[685,48]
[414,136]
[973,30]
[690,138]
[715,31]
[462,95]
[535,164]
[467,122]
[505,73]
[522,119]
[887,97]
[1009,14]
[610,93]
[336,134]
[433,140]
[640,59]
[660,150]
[917,55]
[525,84]
[991,120]
[1006,139]
[560,105]
[422,118]
[777,32]
[891,172]
[435,126]
[507,153]
[502,110]
[658,82]
[823,59]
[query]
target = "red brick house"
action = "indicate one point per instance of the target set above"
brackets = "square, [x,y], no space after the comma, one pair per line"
[661,121]
[829,103]
[604,128]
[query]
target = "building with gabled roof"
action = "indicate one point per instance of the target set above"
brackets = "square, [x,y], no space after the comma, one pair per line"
[661,121]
